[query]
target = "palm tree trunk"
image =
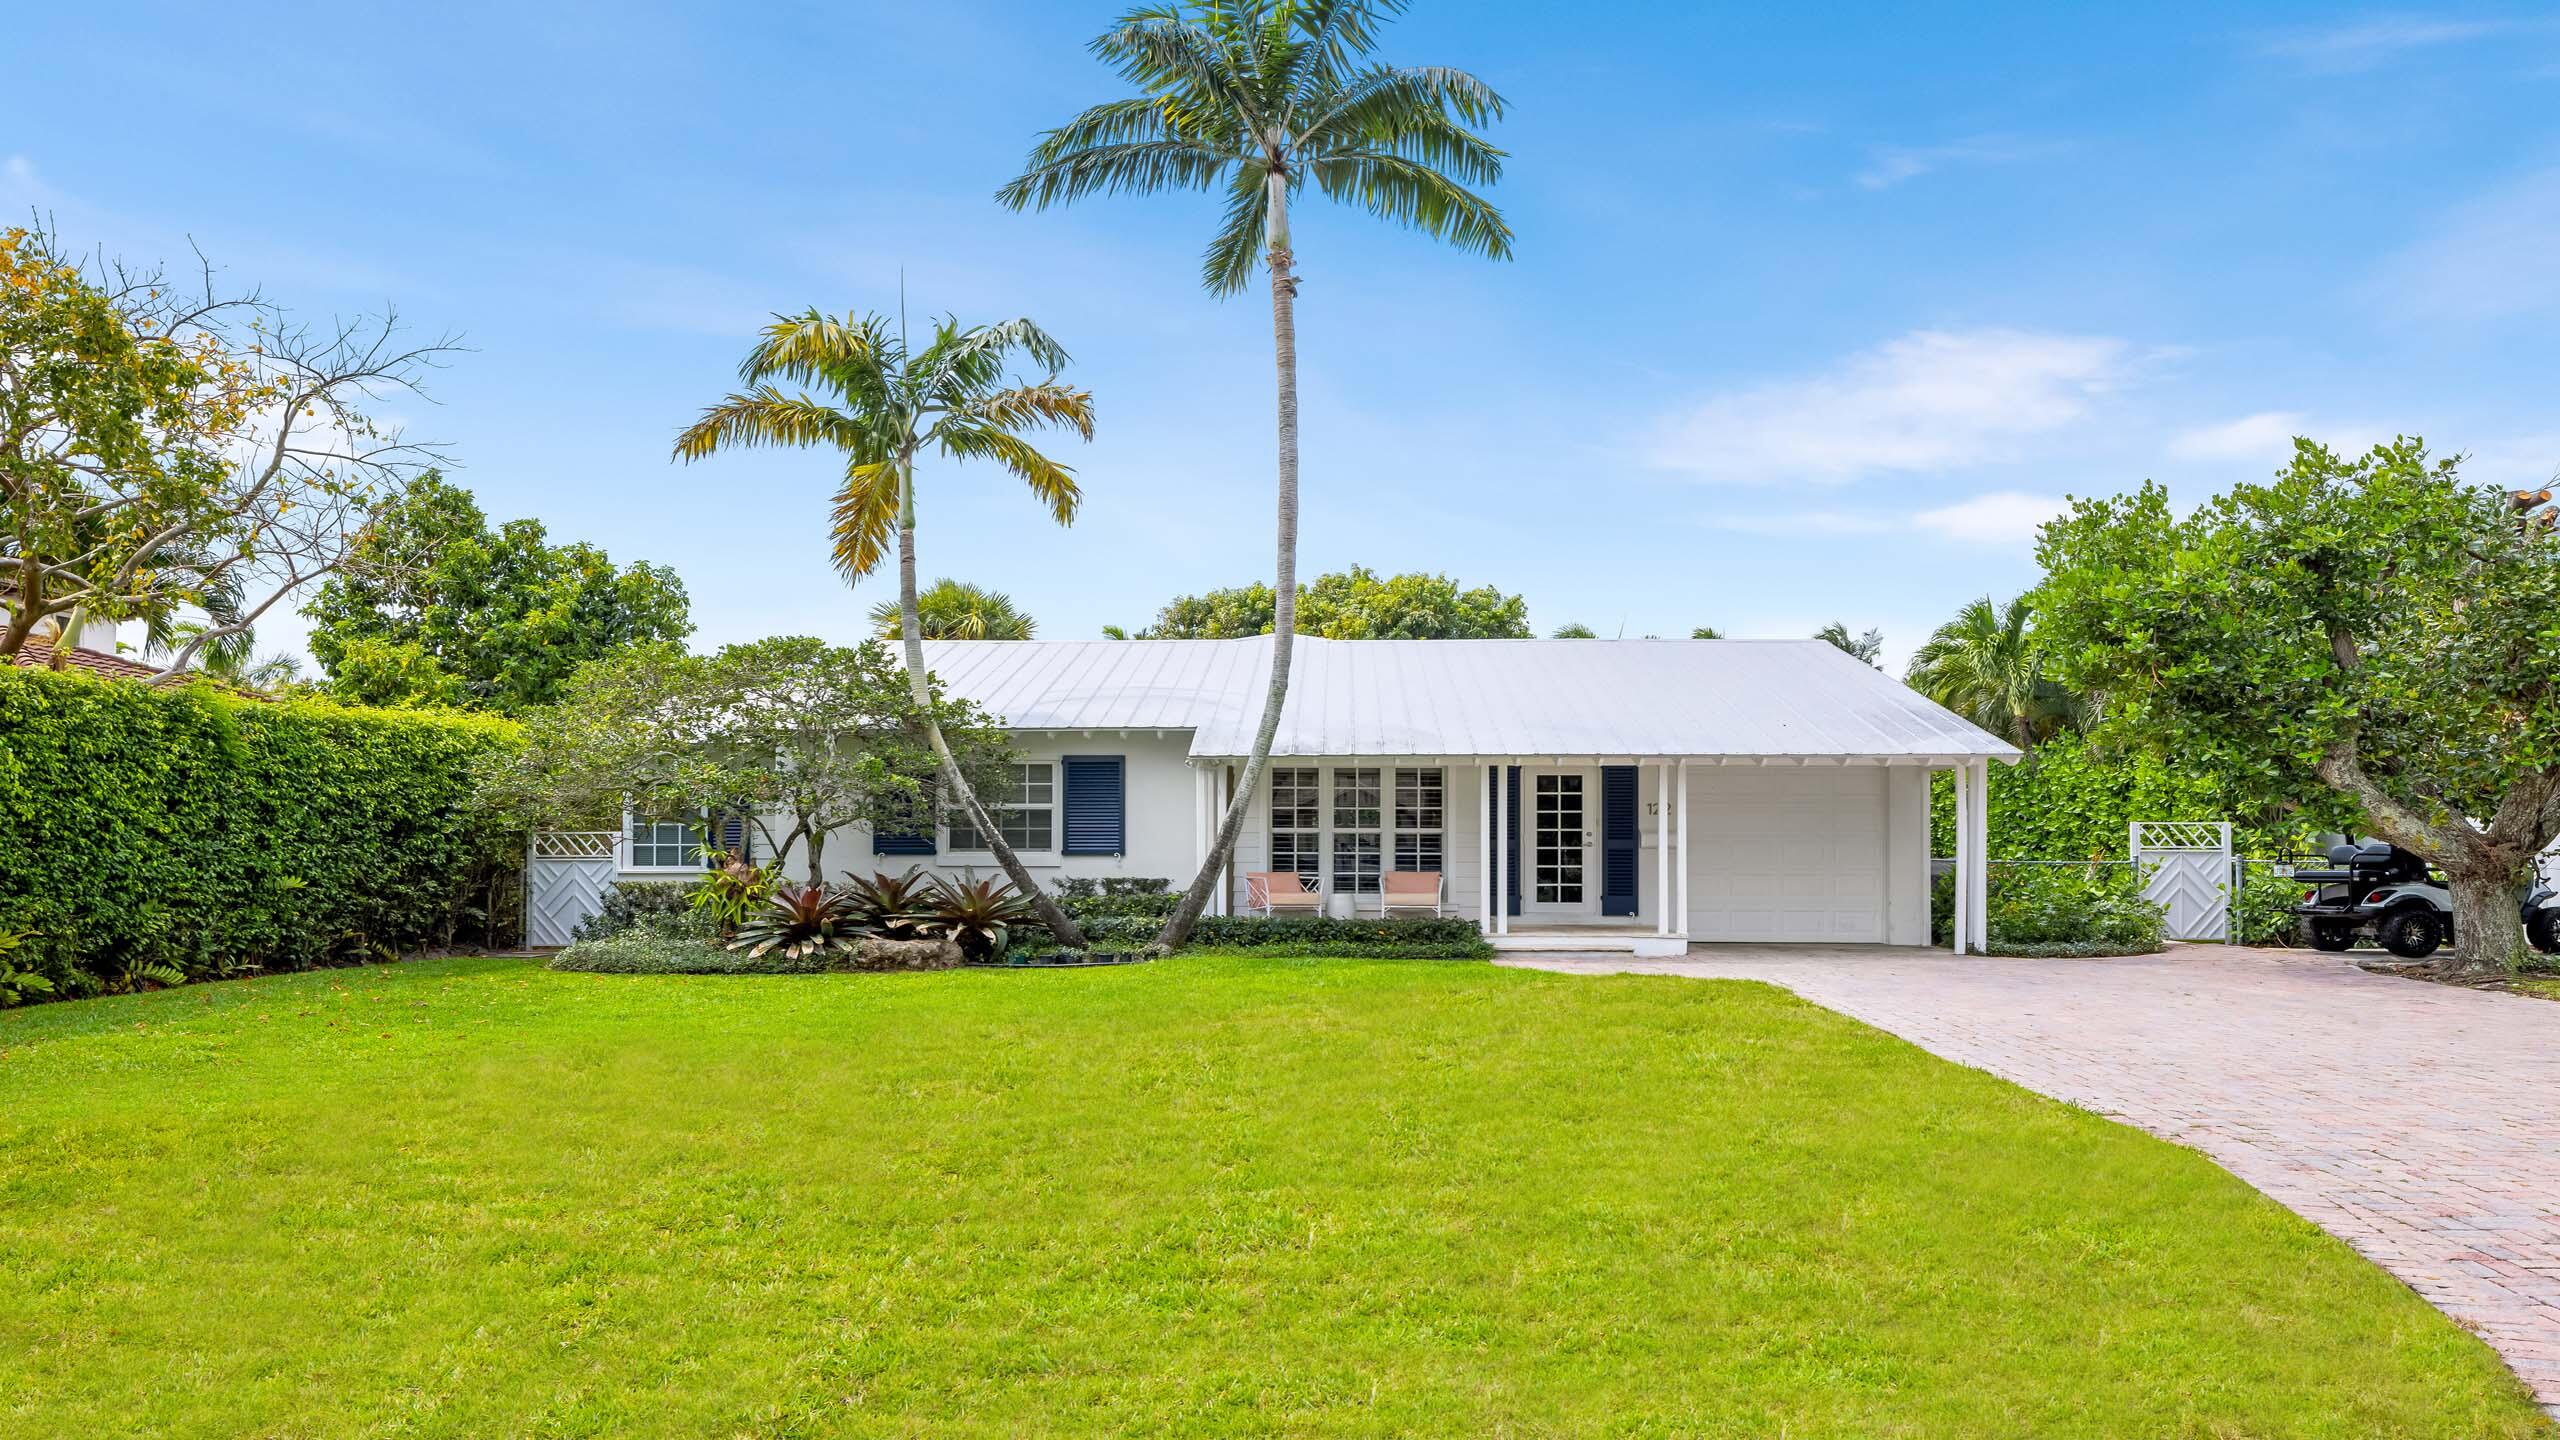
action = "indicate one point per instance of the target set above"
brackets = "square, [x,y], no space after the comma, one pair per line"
[1284,585]
[911,631]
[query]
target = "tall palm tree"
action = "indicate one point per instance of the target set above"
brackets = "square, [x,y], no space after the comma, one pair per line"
[1986,666]
[958,610]
[1256,97]
[883,405]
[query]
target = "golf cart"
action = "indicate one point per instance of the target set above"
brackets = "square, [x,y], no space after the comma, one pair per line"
[2379,890]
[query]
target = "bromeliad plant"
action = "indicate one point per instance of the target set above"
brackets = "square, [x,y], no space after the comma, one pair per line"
[978,915]
[732,890]
[893,907]
[800,920]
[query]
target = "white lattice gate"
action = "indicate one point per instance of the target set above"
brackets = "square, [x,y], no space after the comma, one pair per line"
[565,875]
[2186,870]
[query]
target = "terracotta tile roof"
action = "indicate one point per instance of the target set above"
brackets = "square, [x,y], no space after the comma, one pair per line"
[37,654]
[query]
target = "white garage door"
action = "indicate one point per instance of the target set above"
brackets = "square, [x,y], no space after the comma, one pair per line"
[1787,854]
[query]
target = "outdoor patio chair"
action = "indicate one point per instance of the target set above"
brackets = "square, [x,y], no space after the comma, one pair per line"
[1280,892]
[1411,891]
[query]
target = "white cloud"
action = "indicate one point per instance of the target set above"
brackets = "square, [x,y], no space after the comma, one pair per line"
[1804,522]
[2493,258]
[1890,165]
[1928,401]
[2374,41]
[2003,517]
[2267,435]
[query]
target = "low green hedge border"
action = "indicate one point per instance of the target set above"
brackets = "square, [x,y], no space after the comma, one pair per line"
[649,952]
[2069,950]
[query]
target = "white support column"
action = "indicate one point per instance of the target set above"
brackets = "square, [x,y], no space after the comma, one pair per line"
[1223,899]
[1200,822]
[1981,927]
[1484,846]
[1662,849]
[1680,858]
[1501,852]
[1963,909]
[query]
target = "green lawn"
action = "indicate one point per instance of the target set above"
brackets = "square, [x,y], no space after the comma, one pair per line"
[1213,1196]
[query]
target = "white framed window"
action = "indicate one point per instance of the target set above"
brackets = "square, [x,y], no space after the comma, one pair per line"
[1421,818]
[1026,814]
[666,844]
[1359,826]
[1297,815]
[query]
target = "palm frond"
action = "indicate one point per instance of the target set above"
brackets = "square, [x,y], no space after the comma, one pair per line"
[1032,407]
[1384,100]
[815,348]
[1404,112]
[766,416]
[1416,196]
[1139,167]
[1228,265]
[975,358]
[865,518]
[1332,34]
[1164,52]
[1052,482]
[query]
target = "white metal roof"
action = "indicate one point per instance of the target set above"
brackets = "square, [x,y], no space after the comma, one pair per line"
[1352,698]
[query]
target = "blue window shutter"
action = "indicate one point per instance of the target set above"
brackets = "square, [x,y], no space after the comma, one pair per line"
[1097,805]
[889,838]
[1618,839]
[733,835]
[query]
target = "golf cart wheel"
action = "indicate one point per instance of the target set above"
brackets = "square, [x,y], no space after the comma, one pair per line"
[2332,935]
[2544,931]
[2412,934]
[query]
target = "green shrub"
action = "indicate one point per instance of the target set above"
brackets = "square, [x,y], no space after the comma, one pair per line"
[153,835]
[648,951]
[1421,935]
[2262,913]
[2057,909]
[1116,897]
[628,904]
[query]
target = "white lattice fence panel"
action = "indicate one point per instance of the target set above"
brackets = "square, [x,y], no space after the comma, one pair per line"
[2186,870]
[565,881]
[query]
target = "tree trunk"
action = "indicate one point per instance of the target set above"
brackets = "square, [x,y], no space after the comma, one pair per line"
[1284,585]
[911,633]
[2488,933]
[817,853]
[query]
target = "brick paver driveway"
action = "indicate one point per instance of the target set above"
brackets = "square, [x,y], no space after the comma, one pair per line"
[2418,1123]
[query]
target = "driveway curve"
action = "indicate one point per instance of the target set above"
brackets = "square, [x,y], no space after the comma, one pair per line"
[2419,1123]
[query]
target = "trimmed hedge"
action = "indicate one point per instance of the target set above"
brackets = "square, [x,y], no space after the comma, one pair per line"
[1419,937]
[649,951]
[154,836]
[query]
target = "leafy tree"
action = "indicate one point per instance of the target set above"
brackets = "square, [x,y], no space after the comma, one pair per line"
[441,609]
[799,737]
[1987,666]
[881,405]
[1574,630]
[1256,99]
[957,610]
[1353,604]
[2375,626]
[1865,647]
[1706,632]
[170,451]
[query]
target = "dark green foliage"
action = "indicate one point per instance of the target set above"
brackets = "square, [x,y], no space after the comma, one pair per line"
[635,904]
[1361,937]
[2262,913]
[2075,798]
[979,916]
[648,952]
[2084,909]
[1354,604]
[146,834]
[800,920]
[1088,900]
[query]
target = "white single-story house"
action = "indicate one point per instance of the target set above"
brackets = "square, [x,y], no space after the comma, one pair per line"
[1600,794]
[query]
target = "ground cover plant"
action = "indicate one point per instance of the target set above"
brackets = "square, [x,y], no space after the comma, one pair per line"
[1219,1195]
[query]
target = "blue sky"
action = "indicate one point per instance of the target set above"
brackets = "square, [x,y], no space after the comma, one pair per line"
[1816,311]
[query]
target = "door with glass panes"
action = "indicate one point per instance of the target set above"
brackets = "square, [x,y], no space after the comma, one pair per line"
[1559,835]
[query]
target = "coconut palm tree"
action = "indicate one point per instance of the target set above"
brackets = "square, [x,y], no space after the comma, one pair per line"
[958,610]
[1985,665]
[1255,98]
[880,405]
[1865,647]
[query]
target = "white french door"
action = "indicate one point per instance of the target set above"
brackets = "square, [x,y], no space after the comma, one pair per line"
[1558,835]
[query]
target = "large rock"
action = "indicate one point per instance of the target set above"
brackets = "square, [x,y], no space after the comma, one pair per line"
[905,955]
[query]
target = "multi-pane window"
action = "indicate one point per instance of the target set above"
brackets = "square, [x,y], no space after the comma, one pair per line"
[1359,818]
[664,844]
[1297,800]
[1421,803]
[1025,813]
